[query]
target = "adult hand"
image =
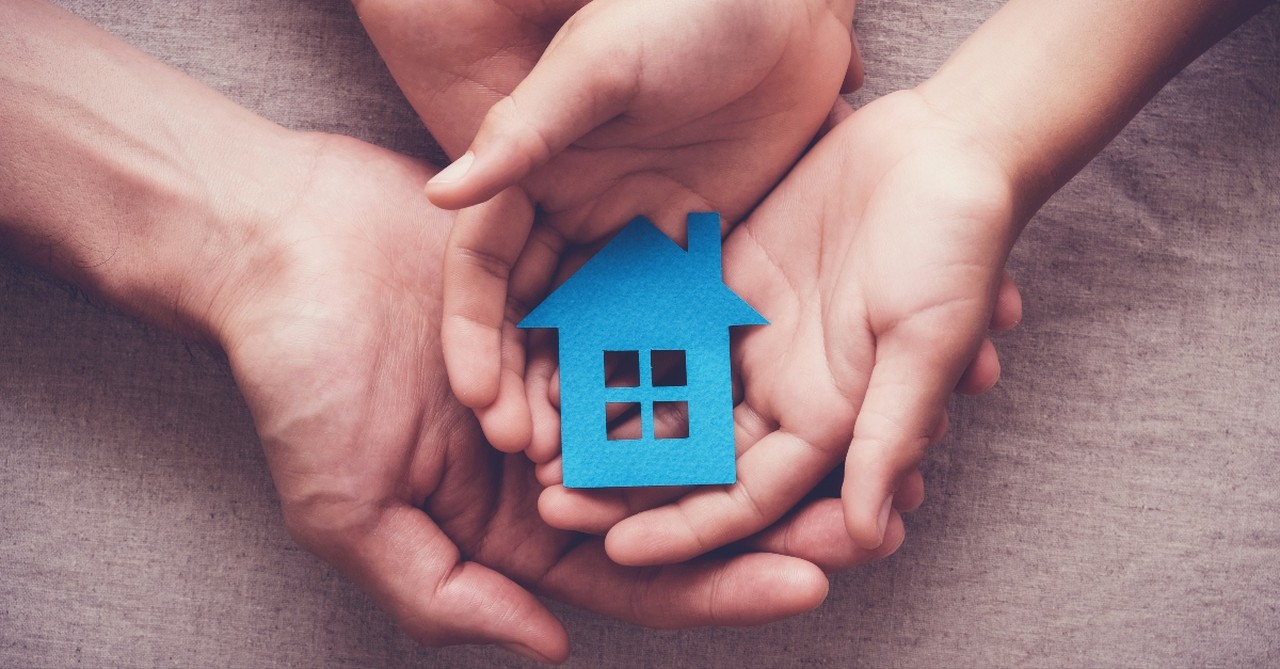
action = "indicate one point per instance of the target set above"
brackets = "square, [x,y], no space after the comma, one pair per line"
[590,114]
[878,262]
[313,262]
[332,331]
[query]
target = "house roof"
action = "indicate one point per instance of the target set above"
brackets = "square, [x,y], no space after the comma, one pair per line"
[641,279]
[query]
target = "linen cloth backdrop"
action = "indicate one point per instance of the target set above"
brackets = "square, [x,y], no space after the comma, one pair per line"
[1115,501]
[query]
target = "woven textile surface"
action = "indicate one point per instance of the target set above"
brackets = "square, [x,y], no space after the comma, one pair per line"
[1115,501]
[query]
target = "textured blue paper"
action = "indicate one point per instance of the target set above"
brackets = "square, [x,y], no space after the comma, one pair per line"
[643,293]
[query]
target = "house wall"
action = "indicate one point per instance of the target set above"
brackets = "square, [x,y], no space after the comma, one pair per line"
[592,460]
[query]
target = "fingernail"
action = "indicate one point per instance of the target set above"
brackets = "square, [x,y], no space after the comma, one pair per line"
[456,170]
[521,649]
[884,515]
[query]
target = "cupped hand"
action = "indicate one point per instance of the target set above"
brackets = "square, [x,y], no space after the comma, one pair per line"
[879,264]
[332,333]
[580,116]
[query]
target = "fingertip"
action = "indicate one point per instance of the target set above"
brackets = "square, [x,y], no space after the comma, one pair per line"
[556,507]
[816,532]
[808,584]
[550,506]
[764,587]
[553,389]
[568,93]
[910,494]
[419,576]
[882,521]
[541,638]
[471,361]
[939,429]
[544,446]
[1008,309]
[894,536]
[983,373]
[548,644]
[652,538]
[502,436]
[549,473]
[449,188]
[866,518]
[876,469]
[579,511]
[506,422]
[905,399]
[516,136]
[629,548]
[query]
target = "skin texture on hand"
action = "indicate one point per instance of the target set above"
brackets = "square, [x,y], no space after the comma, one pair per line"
[593,115]
[898,224]
[878,262]
[1044,86]
[314,263]
[382,472]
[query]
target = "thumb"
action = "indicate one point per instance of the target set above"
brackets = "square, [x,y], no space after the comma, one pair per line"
[579,84]
[914,374]
[417,574]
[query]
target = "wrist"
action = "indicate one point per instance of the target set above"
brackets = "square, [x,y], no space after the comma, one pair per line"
[129,179]
[1045,86]
[1032,170]
[198,231]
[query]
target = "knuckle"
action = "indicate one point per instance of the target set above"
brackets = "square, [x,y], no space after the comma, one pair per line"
[487,262]
[325,525]
[517,128]
[889,438]
[517,307]
[756,510]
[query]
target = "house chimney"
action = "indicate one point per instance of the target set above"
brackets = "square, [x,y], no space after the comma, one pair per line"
[704,243]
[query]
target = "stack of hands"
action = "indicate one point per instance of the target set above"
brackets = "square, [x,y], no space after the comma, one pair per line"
[874,241]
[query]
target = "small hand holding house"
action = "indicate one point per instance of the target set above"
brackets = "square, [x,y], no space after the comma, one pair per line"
[640,300]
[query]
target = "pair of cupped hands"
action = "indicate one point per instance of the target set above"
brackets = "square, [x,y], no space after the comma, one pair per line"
[877,258]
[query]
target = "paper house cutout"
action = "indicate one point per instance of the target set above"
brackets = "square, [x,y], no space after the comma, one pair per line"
[643,298]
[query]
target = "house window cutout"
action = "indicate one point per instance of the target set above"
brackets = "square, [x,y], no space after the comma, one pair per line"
[657,305]
[624,423]
[648,390]
[669,368]
[621,369]
[671,420]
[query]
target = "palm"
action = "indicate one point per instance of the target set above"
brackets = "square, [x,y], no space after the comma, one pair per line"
[650,108]
[696,135]
[381,472]
[454,59]
[878,262]
[909,256]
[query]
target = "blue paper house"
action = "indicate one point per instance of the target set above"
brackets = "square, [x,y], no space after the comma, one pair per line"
[643,302]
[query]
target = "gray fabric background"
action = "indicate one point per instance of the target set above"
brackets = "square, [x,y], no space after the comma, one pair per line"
[1114,502]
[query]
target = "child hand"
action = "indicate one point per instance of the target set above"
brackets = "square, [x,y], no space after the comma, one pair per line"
[637,107]
[878,262]
[880,300]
